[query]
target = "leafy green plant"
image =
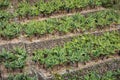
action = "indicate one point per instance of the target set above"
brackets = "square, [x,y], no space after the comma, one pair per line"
[21,77]
[10,30]
[13,60]
[4,3]
[24,9]
[4,15]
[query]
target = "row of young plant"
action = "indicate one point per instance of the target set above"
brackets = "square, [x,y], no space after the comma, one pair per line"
[13,60]
[69,24]
[75,23]
[81,49]
[110,75]
[48,7]
[43,7]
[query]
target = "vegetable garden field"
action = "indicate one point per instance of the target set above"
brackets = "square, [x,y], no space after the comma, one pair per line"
[59,39]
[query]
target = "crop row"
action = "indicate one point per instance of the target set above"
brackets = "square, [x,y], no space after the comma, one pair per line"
[43,7]
[81,49]
[48,7]
[110,75]
[75,23]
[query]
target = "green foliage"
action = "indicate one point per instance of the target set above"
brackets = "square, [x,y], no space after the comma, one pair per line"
[13,60]
[4,3]
[110,3]
[80,49]
[110,75]
[23,8]
[115,5]
[9,30]
[4,15]
[21,77]
[48,7]
[104,19]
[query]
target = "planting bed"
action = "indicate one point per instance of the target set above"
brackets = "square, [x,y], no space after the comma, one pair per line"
[59,40]
[75,57]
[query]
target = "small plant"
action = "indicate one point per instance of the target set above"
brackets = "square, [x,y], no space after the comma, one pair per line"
[10,30]
[4,15]
[13,60]
[21,77]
